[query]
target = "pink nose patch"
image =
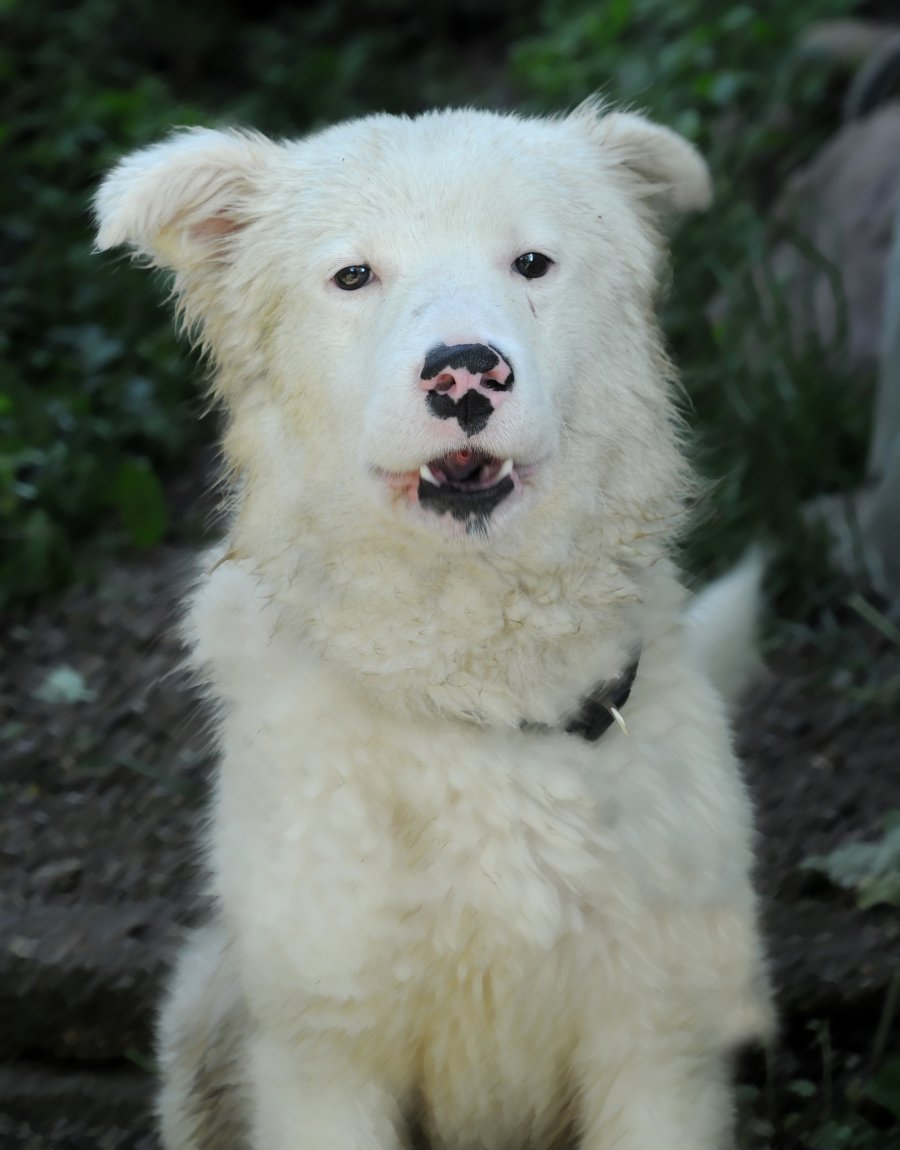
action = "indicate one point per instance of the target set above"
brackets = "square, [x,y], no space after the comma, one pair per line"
[466,382]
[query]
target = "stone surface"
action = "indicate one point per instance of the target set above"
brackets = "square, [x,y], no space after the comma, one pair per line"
[843,206]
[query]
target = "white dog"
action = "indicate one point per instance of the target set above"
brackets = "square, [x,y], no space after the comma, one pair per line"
[479,848]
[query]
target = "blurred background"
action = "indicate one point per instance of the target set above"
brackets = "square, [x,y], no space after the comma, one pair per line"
[783,313]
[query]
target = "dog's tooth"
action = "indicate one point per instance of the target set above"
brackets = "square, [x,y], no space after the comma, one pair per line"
[425,472]
[505,470]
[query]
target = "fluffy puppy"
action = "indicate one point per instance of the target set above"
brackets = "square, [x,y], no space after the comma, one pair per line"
[479,850]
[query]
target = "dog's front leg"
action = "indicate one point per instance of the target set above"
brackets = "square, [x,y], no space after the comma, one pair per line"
[656,1099]
[311,1098]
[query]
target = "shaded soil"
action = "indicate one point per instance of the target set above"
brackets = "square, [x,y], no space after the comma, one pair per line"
[102,770]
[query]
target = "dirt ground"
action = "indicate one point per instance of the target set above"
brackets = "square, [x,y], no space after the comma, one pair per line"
[103,764]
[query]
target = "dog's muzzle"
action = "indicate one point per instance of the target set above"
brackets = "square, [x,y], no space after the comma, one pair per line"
[466,382]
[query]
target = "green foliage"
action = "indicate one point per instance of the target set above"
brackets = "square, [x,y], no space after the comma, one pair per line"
[91,381]
[870,870]
[847,1131]
[885,1087]
[833,1110]
[824,1114]
[689,62]
[63,684]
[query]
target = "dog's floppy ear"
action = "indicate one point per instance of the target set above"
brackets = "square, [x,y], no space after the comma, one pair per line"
[668,173]
[178,202]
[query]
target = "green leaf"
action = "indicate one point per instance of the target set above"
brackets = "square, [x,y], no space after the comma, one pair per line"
[141,502]
[803,1088]
[885,1087]
[64,685]
[872,870]
[877,889]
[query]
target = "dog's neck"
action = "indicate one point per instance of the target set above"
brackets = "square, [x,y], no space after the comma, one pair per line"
[481,636]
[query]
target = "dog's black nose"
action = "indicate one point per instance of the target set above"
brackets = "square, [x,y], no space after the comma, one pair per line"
[466,382]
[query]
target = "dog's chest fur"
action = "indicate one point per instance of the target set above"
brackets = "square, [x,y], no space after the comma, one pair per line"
[441,937]
[424,887]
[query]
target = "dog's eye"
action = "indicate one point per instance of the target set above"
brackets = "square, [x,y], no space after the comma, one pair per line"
[532,265]
[353,277]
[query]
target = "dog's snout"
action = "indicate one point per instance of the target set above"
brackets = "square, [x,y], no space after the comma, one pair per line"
[466,382]
[466,365]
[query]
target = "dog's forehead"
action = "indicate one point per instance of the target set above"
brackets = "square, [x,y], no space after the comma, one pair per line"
[486,166]
[439,138]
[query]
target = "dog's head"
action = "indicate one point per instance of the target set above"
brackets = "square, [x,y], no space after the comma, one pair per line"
[444,322]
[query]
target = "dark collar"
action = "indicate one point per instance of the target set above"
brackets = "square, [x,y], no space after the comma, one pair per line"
[601,708]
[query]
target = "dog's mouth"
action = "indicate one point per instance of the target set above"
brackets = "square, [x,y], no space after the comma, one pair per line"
[465,483]
[468,484]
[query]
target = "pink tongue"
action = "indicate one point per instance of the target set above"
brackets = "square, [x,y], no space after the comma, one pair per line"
[461,464]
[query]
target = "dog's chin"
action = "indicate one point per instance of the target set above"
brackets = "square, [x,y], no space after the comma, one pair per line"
[463,494]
